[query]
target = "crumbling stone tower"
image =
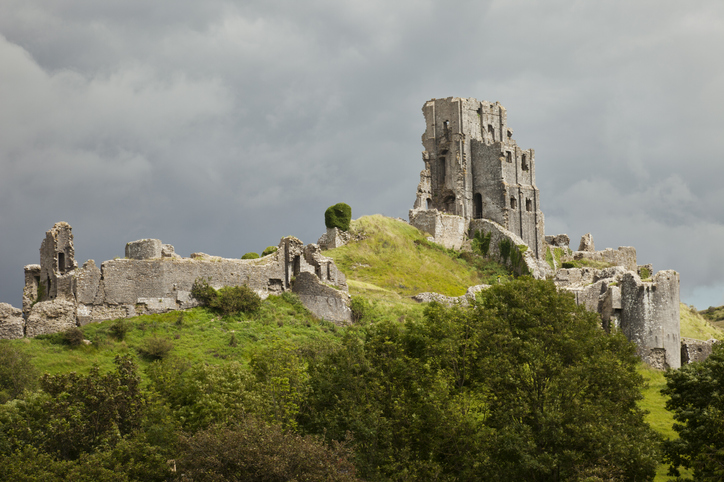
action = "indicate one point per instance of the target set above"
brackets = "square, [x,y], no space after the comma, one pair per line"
[474,169]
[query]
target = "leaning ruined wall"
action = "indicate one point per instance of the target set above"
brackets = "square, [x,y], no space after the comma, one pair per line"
[696,350]
[498,236]
[650,314]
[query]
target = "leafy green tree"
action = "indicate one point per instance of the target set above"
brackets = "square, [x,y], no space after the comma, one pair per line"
[525,385]
[696,394]
[251,450]
[76,414]
[338,216]
[17,373]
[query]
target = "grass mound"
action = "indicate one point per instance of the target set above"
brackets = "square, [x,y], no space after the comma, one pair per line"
[396,259]
[694,325]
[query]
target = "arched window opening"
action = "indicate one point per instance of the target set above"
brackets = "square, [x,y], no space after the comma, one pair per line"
[478,206]
[446,128]
[428,203]
[525,163]
[491,131]
[449,203]
[441,170]
[61,262]
[513,203]
[508,156]
[528,205]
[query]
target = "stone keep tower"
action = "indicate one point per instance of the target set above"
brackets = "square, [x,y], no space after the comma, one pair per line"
[474,168]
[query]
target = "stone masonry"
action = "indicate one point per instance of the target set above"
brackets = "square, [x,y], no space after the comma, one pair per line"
[474,169]
[152,278]
[477,180]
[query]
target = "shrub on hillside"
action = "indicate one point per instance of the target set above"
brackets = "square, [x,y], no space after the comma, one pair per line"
[16,372]
[156,348]
[338,216]
[250,256]
[119,328]
[228,300]
[73,336]
[269,250]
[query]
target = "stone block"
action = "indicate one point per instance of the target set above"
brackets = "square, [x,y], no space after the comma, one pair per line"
[586,243]
[559,240]
[50,317]
[324,301]
[144,249]
[12,324]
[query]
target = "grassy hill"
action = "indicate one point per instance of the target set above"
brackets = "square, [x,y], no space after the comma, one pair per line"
[695,324]
[395,261]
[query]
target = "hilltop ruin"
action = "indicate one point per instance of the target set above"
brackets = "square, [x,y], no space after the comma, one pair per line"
[478,182]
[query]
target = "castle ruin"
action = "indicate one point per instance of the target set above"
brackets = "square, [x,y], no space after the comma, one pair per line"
[152,278]
[477,181]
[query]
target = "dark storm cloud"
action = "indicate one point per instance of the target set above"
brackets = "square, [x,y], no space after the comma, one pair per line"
[221,126]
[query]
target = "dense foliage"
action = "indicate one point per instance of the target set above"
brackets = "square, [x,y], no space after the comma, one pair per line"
[524,385]
[270,250]
[338,216]
[250,255]
[228,300]
[696,394]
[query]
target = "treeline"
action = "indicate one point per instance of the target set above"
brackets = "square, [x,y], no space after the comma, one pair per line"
[524,385]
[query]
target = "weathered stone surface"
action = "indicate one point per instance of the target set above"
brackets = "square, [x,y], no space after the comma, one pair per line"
[57,264]
[447,230]
[624,256]
[586,243]
[167,251]
[12,324]
[523,263]
[650,314]
[30,289]
[324,301]
[474,169]
[463,300]
[88,279]
[559,240]
[334,238]
[50,317]
[695,350]
[144,249]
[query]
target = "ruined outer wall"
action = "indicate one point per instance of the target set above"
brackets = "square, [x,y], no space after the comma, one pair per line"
[525,263]
[624,256]
[446,229]
[650,315]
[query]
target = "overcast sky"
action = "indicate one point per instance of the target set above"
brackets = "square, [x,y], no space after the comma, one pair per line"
[221,126]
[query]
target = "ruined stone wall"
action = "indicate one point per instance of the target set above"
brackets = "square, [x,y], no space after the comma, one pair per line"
[647,312]
[624,256]
[516,256]
[696,350]
[448,230]
[154,279]
[650,314]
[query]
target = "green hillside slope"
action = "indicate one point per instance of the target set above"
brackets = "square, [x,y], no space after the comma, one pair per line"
[694,325]
[395,260]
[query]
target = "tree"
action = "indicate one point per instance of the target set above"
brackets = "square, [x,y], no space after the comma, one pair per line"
[696,394]
[251,450]
[524,385]
[17,373]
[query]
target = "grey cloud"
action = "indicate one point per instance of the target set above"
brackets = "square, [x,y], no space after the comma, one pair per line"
[221,126]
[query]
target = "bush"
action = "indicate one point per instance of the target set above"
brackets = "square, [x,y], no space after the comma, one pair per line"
[236,299]
[203,292]
[269,250]
[228,300]
[16,372]
[359,308]
[250,256]
[73,336]
[120,328]
[156,348]
[338,216]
